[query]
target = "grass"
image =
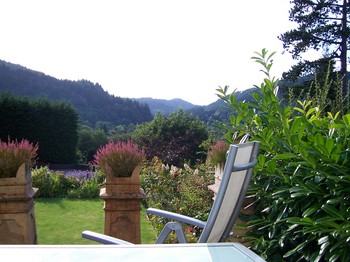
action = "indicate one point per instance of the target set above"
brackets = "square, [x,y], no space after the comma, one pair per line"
[61,221]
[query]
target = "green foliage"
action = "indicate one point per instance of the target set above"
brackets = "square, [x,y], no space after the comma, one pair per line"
[180,190]
[325,92]
[322,25]
[54,184]
[90,188]
[174,139]
[52,125]
[301,183]
[89,141]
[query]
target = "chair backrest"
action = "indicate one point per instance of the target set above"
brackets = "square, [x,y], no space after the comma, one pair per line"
[238,170]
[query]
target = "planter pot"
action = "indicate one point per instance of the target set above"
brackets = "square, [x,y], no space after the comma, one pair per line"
[120,185]
[122,204]
[17,220]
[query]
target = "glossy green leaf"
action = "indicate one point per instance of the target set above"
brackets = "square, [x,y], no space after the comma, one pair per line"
[284,156]
[298,248]
[332,211]
[310,211]
[310,111]
[329,145]
[346,120]
[319,140]
[300,221]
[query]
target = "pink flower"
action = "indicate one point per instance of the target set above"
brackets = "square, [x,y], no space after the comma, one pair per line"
[118,158]
[13,154]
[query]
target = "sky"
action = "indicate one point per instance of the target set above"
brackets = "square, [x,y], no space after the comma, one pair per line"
[162,49]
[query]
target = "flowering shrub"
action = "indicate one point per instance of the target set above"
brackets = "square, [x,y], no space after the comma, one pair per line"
[13,154]
[79,174]
[180,190]
[118,158]
[52,183]
[73,184]
[217,153]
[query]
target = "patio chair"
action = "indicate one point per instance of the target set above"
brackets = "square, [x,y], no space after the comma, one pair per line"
[236,177]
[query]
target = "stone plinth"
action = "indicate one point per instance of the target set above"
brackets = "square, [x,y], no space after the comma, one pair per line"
[17,219]
[122,204]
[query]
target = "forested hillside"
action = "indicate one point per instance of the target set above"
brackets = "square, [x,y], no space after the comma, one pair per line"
[219,111]
[91,102]
[164,106]
[96,107]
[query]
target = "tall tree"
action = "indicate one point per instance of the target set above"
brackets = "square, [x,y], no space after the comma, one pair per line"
[176,139]
[322,25]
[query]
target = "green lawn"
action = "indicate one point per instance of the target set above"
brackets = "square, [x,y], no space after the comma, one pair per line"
[61,221]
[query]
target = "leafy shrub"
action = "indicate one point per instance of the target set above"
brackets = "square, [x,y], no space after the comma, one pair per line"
[90,188]
[180,190]
[73,184]
[302,181]
[52,184]
[89,141]
[13,154]
[41,121]
[176,139]
[118,158]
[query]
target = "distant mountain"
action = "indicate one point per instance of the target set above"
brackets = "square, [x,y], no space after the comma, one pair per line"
[165,107]
[91,102]
[95,105]
[219,111]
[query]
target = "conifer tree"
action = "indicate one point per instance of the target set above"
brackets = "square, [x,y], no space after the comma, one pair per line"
[323,25]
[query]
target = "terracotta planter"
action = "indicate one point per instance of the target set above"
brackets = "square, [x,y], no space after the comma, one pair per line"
[17,220]
[122,204]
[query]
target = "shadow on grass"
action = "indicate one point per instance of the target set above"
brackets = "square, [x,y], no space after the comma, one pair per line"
[60,221]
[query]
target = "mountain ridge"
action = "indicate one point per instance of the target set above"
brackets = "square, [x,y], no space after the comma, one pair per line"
[95,105]
[91,101]
[165,106]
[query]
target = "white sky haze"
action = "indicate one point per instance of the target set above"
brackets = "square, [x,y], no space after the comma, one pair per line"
[147,48]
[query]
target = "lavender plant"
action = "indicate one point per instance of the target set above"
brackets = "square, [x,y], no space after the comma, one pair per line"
[72,184]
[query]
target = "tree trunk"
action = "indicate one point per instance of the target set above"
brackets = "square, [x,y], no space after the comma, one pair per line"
[344,48]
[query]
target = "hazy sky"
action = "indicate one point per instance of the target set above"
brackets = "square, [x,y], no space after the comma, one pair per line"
[146,48]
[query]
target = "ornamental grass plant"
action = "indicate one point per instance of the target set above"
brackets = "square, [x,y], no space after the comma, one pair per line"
[118,158]
[13,154]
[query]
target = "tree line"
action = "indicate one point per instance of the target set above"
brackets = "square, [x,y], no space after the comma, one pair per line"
[51,125]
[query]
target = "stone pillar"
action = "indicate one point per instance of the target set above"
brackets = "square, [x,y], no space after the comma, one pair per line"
[122,204]
[17,220]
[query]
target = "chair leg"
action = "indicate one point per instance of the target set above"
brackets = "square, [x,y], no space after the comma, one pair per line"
[169,227]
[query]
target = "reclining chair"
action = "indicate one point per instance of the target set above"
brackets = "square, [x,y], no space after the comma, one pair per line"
[238,170]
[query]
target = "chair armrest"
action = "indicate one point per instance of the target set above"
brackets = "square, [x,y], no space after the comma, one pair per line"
[177,217]
[103,239]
